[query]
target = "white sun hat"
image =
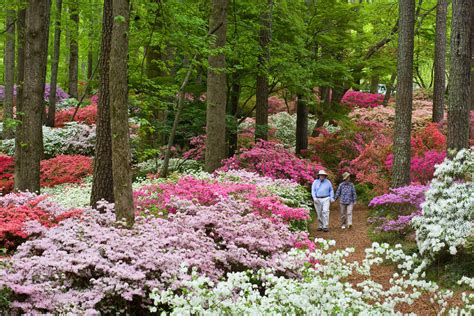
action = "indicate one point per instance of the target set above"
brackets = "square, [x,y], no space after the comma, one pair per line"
[322,172]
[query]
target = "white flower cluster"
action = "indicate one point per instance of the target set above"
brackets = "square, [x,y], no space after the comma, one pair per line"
[323,288]
[448,211]
[285,126]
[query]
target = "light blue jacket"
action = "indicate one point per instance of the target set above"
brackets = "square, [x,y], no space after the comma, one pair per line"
[322,189]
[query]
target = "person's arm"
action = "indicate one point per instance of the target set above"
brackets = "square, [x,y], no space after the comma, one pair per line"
[313,190]
[338,192]
[331,191]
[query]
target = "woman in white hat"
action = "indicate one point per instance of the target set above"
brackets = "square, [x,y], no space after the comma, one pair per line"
[323,195]
[346,191]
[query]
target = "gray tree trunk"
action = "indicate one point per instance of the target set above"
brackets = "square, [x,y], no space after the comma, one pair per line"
[216,90]
[55,65]
[102,180]
[402,132]
[261,121]
[74,49]
[460,75]
[20,62]
[440,61]
[121,157]
[9,62]
[29,137]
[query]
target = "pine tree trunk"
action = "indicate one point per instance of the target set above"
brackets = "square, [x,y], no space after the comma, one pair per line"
[301,125]
[20,62]
[374,83]
[121,157]
[472,60]
[74,49]
[55,65]
[102,180]
[29,138]
[402,129]
[440,61]
[261,117]
[459,93]
[216,90]
[9,63]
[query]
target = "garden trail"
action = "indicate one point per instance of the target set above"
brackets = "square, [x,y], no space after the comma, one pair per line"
[358,238]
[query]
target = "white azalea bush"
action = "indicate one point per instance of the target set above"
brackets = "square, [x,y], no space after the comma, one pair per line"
[322,286]
[285,126]
[448,211]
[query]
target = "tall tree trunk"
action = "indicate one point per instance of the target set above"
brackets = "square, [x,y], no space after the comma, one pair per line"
[388,93]
[20,62]
[472,59]
[29,138]
[121,157]
[232,111]
[74,49]
[261,121]
[459,93]
[402,132]
[9,63]
[301,125]
[216,90]
[54,65]
[440,61]
[102,180]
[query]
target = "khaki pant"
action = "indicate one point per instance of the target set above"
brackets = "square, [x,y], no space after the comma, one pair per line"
[346,214]
[322,210]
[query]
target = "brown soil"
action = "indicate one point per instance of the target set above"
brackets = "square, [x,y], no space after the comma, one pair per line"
[357,237]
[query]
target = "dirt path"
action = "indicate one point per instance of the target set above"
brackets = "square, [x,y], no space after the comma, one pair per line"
[357,237]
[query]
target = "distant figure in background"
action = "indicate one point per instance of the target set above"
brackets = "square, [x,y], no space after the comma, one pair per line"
[323,195]
[347,193]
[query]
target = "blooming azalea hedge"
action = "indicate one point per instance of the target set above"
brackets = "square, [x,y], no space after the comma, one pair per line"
[362,99]
[58,170]
[273,160]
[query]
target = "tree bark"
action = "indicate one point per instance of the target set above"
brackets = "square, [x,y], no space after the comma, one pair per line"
[374,83]
[74,49]
[216,90]
[20,63]
[472,60]
[102,180]
[261,117]
[121,157]
[402,129]
[440,61]
[54,65]
[459,93]
[9,63]
[29,138]
[301,125]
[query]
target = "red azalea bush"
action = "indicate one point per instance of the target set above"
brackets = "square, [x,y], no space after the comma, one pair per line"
[362,99]
[18,209]
[86,115]
[65,169]
[272,160]
[7,169]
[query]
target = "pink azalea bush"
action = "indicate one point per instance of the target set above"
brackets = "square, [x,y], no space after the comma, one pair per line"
[92,266]
[160,197]
[362,99]
[272,160]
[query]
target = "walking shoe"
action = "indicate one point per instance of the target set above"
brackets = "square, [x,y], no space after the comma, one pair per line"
[343,227]
[325,230]
[320,229]
[350,226]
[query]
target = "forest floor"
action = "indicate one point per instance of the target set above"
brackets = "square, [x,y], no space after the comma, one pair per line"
[358,238]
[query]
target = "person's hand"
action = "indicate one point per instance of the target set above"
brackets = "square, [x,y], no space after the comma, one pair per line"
[333,200]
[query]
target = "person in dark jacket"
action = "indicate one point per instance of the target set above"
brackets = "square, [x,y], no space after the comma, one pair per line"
[347,194]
